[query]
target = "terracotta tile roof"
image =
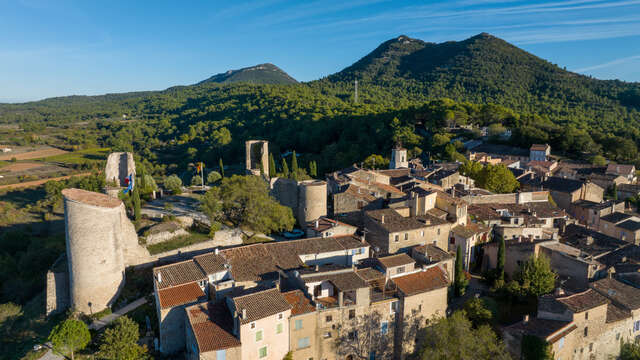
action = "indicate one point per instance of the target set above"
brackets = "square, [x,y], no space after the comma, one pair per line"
[423,281]
[91,198]
[211,263]
[435,253]
[212,327]
[543,328]
[621,169]
[179,295]
[395,260]
[583,301]
[359,192]
[467,231]
[261,304]
[300,304]
[615,313]
[539,147]
[250,263]
[177,274]
[344,281]
[394,222]
[369,274]
[324,223]
[615,217]
[620,293]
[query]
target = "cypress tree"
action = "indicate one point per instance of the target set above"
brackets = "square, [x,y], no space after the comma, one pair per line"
[136,203]
[221,167]
[294,165]
[460,282]
[272,166]
[285,168]
[313,169]
[501,258]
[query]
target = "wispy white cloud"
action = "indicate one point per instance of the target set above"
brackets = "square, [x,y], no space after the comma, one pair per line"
[608,64]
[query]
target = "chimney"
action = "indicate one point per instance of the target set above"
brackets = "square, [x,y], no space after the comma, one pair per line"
[382,219]
[362,239]
[317,268]
[216,251]
[588,240]
[244,313]
[159,277]
[559,292]
[525,320]
[317,223]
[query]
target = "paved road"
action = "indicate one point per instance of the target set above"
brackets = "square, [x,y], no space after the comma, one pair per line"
[51,356]
[106,320]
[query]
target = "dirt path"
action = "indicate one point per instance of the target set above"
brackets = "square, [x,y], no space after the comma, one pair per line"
[40,182]
[33,154]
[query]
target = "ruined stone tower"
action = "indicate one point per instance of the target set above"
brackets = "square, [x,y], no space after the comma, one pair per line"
[312,200]
[99,237]
[119,166]
[257,155]
[399,158]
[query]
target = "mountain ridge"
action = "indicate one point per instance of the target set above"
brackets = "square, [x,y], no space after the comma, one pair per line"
[265,73]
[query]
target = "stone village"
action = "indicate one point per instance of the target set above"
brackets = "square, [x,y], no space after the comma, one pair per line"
[377,242]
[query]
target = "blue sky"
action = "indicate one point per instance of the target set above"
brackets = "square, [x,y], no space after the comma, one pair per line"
[55,48]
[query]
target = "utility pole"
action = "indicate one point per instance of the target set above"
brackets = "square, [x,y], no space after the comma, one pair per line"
[356,97]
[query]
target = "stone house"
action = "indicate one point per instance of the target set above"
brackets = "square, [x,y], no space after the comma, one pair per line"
[176,286]
[354,199]
[589,213]
[468,237]
[303,337]
[627,171]
[516,253]
[564,191]
[429,254]
[539,152]
[209,333]
[325,227]
[391,231]
[261,324]
[621,226]
[396,265]
[585,325]
[626,191]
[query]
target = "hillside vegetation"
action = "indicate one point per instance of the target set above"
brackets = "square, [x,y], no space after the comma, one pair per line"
[409,91]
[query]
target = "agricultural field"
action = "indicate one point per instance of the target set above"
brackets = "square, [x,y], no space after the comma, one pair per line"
[30,152]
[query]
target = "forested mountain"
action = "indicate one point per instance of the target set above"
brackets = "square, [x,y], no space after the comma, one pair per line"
[259,74]
[409,90]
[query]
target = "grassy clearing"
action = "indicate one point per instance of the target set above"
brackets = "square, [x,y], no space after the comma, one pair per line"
[182,241]
[79,157]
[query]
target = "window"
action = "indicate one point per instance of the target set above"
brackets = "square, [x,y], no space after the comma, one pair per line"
[636,326]
[420,307]
[422,233]
[438,231]
[452,240]
[352,335]
[253,325]
[328,318]
[221,355]
[396,238]
[590,347]
[317,290]
[297,325]
[262,352]
[258,335]
[384,327]
[400,270]
[560,343]
[618,336]
[586,331]
[586,315]
[406,236]
[279,328]
[303,343]
[352,314]
[279,316]
[327,334]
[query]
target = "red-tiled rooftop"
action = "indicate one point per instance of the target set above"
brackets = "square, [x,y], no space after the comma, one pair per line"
[300,304]
[423,281]
[583,301]
[395,260]
[177,274]
[261,304]
[179,295]
[91,198]
[212,326]
[543,328]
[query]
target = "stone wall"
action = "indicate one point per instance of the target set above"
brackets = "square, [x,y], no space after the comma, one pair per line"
[119,166]
[164,236]
[57,292]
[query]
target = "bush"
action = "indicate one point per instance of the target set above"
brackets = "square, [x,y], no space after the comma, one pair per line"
[173,184]
[196,180]
[214,176]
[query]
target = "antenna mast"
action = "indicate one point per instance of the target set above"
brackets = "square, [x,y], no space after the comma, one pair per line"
[356,97]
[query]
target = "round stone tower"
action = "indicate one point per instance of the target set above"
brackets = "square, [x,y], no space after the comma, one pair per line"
[95,226]
[312,200]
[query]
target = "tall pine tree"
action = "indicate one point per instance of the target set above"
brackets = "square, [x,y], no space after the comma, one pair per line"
[313,169]
[135,194]
[221,168]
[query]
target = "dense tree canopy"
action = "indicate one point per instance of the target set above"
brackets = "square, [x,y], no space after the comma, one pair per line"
[70,336]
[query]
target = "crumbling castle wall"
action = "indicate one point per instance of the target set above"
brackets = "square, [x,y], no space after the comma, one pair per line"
[119,166]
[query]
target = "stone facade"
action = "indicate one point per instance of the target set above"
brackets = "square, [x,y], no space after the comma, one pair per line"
[57,292]
[119,166]
[307,199]
[257,157]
